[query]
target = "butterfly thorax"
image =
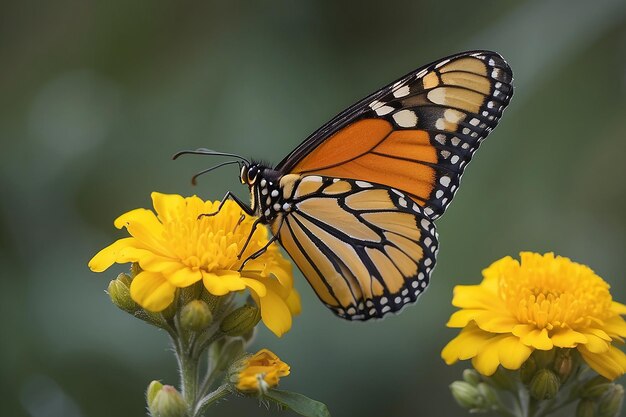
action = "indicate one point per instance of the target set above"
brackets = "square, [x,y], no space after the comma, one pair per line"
[266,192]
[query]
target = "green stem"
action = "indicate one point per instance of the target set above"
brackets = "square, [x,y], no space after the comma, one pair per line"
[188,368]
[218,394]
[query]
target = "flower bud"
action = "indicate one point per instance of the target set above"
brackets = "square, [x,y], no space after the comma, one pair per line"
[119,292]
[544,385]
[467,396]
[488,393]
[563,364]
[240,321]
[544,358]
[586,408]
[471,377]
[229,352]
[611,402]
[135,269]
[595,387]
[165,401]
[196,316]
[527,370]
[153,389]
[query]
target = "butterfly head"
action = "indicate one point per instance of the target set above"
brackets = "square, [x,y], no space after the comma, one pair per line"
[249,174]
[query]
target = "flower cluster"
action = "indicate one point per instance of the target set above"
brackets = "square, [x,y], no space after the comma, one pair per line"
[546,318]
[180,246]
[189,260]
[540,303]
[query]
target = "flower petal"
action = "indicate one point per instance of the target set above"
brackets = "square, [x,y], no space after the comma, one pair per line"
[512,352]
[143,225]
[152,291]
[472,296]
[488,358]
[223,282]
[462,317]
[110,255]
[618,308]
[184,277]
[466,345]
[166,205]
[255,285]
[595,344]
[567,338]
[610,364]
[275,313]
[538,339]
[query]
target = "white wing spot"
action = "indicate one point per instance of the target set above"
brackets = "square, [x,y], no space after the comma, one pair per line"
[264,191]
[445,181]
[385,309]
[405,118]
[439,193]
[441,138]
[383,300]
[445,154]
[454,159]
[402,202]
[405,291]
[274,193]
[455,141]
[474,122]
[263,182]
[381,111]
[397,300]
[402,91]
[276,207]
[363,184]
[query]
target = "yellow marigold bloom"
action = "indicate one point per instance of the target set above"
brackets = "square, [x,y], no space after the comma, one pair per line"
[261,371]
[175,249]
[541,303]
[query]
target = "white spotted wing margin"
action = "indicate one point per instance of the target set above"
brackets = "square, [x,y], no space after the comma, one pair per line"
[366,249]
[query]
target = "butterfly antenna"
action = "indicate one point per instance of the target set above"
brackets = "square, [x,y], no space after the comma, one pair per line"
[204,171]
[210,152]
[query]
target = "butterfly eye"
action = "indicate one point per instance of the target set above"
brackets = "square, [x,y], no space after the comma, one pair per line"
[252,174]
[243,175]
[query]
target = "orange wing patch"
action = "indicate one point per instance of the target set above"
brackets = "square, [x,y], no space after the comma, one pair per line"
[369,150]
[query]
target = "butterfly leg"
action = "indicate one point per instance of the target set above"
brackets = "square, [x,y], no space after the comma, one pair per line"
[246,208]
[253,228]
[259,252]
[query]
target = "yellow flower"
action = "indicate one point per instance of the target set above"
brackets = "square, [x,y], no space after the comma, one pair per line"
[260,372]
[175,249]
[542,302]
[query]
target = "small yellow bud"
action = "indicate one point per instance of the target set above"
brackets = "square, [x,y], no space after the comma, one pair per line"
[544,385]
[196,316]
[471,377]
[586,408]
[467,395]
[240,321]
[528,370]
[611,402]
[165,401]
[119,292]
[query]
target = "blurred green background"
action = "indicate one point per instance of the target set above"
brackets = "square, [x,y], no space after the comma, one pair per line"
[97,96]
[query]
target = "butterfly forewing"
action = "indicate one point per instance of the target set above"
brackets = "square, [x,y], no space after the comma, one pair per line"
[416,135]
[366,249]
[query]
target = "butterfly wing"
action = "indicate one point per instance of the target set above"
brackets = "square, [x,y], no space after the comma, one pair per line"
[365,249]
[416,135]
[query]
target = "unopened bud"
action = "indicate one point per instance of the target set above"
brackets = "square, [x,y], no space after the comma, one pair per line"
[595,387]
[119,292]
[544,385]
[544,358]
[586,408]
[135,269]
[165,401]
[230,352]
[488,393]
[611,402]
[467,395]
[527,370]
[563,364]
[241,321]
[471,377]
[196,316]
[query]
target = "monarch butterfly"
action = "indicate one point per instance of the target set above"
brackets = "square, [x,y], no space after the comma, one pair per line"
[354,204]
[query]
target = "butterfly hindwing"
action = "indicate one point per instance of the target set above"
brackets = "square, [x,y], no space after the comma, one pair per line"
[366,249]
[416,135]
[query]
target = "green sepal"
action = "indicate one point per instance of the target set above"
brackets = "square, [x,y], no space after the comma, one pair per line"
[298,403]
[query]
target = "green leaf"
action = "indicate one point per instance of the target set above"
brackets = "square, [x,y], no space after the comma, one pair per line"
[299,403]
